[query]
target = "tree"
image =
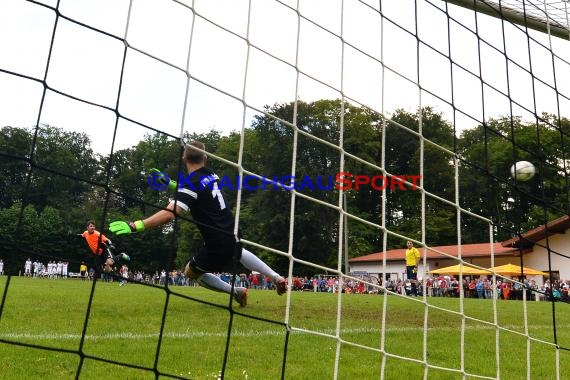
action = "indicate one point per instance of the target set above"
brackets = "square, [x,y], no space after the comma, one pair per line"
[489,150]
[270,153]
[27,233]
[404,156]
[63,165]
[14,149]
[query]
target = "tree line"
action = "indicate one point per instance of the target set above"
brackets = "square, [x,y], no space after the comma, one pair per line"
[52,182]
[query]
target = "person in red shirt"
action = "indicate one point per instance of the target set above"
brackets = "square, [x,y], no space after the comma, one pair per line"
[506,289]
[472,289]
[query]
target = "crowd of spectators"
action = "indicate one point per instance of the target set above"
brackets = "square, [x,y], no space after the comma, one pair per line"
[440,286]
[505,289]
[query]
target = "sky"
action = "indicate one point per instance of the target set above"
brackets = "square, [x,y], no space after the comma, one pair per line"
[218,65]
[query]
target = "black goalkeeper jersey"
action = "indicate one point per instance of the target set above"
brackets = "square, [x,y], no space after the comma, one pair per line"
[199,193]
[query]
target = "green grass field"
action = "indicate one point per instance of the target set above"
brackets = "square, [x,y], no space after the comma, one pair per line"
[45,321]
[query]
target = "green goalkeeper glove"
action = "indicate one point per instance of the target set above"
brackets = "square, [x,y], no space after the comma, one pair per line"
[124,228]
[161,178]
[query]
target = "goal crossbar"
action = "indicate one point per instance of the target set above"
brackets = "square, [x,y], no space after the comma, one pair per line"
[553,18]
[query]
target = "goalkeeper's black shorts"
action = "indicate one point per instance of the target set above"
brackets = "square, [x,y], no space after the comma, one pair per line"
[217,258]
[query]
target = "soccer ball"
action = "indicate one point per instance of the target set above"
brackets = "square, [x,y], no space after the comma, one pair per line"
[522,170]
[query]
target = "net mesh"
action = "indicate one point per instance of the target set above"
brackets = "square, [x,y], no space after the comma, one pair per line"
[119,74]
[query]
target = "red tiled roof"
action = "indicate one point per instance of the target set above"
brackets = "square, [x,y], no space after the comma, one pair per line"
[531,237]
[505,248]
[467,250]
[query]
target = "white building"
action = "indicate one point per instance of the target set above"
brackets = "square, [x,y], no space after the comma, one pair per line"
[538,246]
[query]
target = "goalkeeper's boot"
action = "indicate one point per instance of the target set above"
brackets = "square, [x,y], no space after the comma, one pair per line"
[240,296]
[280,285]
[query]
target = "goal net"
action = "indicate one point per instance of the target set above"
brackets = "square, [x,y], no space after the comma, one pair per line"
[358,124]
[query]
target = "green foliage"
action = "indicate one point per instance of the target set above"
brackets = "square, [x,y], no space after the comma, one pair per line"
[15,144]
[404,150]
[62,164]
[488,151]
[61,183]
[315,235]
[28,233]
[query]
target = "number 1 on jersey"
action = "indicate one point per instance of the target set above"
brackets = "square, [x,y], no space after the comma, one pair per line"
[216,193]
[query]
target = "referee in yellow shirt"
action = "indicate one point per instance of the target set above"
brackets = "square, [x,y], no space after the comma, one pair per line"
[83,270]
[412,258]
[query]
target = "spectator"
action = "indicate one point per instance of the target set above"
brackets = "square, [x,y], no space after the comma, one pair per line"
[480,286]
[487,286]
[506,289]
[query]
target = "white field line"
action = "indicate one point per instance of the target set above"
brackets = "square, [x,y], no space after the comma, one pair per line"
[250,333]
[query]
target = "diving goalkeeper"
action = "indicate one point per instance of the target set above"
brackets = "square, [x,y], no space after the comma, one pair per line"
[205,201]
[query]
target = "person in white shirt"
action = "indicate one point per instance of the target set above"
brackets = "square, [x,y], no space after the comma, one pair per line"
[28,268]
[124,274]
[64,266]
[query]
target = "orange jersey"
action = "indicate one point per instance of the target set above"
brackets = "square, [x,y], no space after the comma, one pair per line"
[93,241]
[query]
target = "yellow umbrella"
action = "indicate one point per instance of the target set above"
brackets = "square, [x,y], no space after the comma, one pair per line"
[456,269]
[516,270]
